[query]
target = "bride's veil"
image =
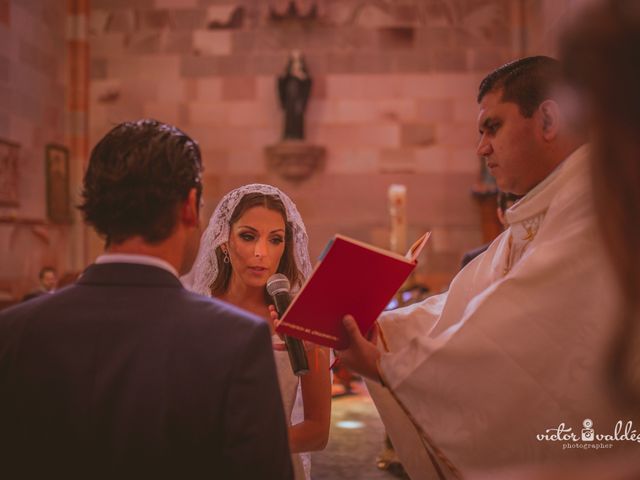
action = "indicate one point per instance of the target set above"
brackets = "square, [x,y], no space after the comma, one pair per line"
[205,268]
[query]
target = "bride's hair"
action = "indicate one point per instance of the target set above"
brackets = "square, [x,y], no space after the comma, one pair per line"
[287,265]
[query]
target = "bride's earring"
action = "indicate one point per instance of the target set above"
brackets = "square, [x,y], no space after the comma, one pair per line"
[226,256]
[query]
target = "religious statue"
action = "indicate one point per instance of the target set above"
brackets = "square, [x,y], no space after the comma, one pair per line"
[294,87]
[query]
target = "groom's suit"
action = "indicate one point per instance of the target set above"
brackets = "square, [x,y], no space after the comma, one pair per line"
[128,374]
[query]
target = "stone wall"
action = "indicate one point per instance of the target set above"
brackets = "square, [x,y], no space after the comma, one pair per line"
[32,111]
[544,21]
[393,100]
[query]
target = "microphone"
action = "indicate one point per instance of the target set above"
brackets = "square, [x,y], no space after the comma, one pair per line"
[278,287]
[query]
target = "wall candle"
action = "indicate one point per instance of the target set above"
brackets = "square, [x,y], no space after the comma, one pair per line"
[398,210]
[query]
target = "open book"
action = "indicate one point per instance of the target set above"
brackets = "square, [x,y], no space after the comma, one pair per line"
[351,277]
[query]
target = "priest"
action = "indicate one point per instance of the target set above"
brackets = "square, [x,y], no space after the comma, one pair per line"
[484,375]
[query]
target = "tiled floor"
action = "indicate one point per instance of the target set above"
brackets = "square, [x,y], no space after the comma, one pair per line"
[356,439]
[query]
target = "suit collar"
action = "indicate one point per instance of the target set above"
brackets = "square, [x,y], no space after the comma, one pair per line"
[128,274]
[137,258]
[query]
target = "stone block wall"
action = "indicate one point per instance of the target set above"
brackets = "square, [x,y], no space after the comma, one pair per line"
[393,100]
[32,114]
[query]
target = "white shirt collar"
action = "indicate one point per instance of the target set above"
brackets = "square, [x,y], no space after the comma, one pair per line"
[137,259]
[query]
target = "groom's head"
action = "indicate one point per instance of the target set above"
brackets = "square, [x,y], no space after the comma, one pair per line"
[144,181]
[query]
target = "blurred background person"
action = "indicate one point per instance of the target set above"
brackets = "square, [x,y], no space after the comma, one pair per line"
[48,280]
[504,200]
[602,59]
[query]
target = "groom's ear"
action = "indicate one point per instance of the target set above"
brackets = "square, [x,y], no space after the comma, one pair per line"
[189,210]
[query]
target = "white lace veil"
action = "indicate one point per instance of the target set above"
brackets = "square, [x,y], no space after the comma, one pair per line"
[205,268]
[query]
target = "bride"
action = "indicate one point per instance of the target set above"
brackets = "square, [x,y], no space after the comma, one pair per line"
[256,231]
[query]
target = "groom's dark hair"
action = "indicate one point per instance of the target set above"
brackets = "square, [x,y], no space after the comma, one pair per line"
[137,176]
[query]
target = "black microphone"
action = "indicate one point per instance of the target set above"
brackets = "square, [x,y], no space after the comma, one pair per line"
[278,287]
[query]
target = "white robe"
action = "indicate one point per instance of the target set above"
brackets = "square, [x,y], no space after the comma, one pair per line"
[517,345]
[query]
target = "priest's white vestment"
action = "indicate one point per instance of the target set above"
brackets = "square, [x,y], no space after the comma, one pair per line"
[518,345]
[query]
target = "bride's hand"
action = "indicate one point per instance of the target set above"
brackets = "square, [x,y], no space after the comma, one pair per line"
[273,314]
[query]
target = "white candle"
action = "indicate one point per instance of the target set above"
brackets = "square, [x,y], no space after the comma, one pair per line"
[398,210]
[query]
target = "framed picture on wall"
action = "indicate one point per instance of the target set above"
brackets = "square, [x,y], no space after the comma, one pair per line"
[57,175]
[9,178]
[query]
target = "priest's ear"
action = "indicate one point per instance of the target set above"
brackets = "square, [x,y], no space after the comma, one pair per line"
[549,117]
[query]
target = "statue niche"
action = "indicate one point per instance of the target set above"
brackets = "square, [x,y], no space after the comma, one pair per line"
[293,158]
[294,88]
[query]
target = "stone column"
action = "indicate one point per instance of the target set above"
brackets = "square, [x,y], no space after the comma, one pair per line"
[77,113]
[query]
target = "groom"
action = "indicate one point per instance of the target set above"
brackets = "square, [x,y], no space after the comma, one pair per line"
[126,373]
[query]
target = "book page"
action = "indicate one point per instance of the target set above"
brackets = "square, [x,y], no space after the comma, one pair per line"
[416,248]
[352,277]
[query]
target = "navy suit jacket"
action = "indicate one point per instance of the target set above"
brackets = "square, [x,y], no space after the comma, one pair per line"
[127,374]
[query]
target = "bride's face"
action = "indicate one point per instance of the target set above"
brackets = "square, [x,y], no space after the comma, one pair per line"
[256,245]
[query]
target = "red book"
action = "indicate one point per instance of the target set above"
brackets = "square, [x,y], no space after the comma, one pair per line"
[354,278]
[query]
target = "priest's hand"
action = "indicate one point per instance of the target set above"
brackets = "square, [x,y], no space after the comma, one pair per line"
[362,355]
